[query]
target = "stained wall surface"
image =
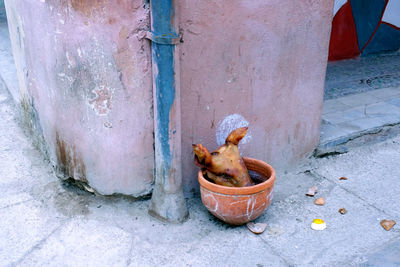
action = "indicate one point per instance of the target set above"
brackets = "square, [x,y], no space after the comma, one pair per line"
[85,80]
[259,63]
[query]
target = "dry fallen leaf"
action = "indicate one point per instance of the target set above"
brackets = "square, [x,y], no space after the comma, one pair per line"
[343,178]
[319,201]
[388,224]
[256,228]
[312,191]
[342,211]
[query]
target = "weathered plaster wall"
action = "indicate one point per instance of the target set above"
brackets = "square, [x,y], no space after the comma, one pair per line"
[85,80]
[259,63]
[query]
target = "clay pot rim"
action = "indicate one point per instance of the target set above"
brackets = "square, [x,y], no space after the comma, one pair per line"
[226,190]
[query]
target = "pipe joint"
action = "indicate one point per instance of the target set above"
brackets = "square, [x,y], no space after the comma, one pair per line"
[163,38]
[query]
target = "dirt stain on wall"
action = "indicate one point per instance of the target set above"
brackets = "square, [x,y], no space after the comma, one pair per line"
[91,7]
[85,7]
[69,162]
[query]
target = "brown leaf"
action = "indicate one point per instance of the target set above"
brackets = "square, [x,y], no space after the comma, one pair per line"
[342,211]
[256,228]
[388,224]
[319,201]
[312,191]
[343,178]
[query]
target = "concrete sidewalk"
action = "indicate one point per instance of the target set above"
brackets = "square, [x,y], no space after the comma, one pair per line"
[362,102]
[46,222]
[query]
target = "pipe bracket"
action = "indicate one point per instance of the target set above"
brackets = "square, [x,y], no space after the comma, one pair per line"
[165,38]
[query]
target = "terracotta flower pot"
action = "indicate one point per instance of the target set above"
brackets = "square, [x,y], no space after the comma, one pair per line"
[239,205]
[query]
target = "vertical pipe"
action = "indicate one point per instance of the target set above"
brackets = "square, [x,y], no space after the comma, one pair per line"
[167,201]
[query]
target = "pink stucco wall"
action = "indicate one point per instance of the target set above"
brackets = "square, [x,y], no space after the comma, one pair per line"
[85,74]
[259,63]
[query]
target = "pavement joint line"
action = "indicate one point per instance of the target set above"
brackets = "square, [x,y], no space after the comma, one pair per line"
[39,243]
[316,175]
[129,260]
[195,245]
[274,251]
[322,252]
[387,243]
[231,252]
[371,251]
[15,204]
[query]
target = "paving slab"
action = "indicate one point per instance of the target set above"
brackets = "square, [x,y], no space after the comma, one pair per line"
[13,199]
[82,242]
[19,159]
[24,227]
[289,230]
[231,246]
[333,105]
[201,240]
[395,101]
[358,99]
[389,120]
[385,93]
[374,177]
[388,257]
[361,98]
[381,109]
[331,132]
[292,184]
[348,114]
[364,114]
[359,126]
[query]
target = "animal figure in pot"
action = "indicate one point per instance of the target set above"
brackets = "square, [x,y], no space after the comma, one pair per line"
[224,165]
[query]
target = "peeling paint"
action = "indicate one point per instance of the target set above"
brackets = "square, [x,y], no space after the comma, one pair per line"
[84,7]
[167,113]
[95,124]
[165,98]
[70,59]
[101,103]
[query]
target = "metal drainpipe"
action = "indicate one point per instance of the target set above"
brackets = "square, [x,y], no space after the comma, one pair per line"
[167,201]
